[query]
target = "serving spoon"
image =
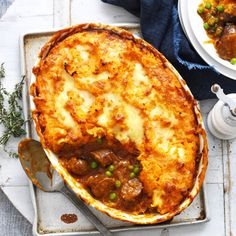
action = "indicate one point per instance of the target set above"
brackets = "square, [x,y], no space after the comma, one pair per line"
[37,167]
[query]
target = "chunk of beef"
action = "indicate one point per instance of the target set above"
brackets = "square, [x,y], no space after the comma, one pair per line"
[131,189]
[77,166]
[100,185]
[104,156]
[228,18]
[226,45]
[229,14]
[122,170]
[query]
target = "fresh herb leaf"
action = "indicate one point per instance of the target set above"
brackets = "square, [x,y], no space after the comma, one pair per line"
[11,117]
[2,71]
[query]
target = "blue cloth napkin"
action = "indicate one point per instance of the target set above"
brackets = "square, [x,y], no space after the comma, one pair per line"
[161,27]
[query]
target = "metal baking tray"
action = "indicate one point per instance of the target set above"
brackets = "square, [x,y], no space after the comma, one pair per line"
[49,207]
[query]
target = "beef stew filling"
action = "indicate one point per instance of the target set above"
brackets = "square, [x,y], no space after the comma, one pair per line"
[110,174]
[219,18]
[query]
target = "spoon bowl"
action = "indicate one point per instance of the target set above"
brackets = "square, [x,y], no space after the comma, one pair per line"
[38,168]
[36,164]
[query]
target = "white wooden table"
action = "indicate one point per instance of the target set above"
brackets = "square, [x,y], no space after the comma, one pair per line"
[26,15]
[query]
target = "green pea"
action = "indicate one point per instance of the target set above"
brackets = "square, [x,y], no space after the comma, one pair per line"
[220,8]
[200,10]
[206,26]
[208,5]
[113,196]
[111,168]
[108,173]
[94,165]
[233,61]
[118,183]
[132,175]
[99,140]
[136,169]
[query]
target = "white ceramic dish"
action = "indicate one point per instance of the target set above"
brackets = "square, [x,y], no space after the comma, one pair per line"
[117,214]
[193,28]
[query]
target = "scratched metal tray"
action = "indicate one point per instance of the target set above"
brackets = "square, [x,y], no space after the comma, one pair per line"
[49,207]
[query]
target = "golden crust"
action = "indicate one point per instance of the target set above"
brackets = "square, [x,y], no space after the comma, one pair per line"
[94,80]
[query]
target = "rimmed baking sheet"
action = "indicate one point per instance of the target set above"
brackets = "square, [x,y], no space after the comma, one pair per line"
[49,207]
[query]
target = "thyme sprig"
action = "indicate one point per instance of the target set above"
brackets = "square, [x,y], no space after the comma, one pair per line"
[11,117]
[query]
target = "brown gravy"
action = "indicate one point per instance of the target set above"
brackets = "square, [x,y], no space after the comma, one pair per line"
[69,218]
[110,174]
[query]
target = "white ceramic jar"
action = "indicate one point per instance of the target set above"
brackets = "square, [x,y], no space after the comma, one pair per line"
[221,122]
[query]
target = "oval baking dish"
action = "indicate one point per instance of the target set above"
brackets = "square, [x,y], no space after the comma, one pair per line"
[97,85]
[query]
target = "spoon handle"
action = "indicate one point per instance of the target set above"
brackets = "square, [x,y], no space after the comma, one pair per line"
[85,210]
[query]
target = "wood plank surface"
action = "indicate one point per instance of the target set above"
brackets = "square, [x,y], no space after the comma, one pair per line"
[61,13]
[37,15]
